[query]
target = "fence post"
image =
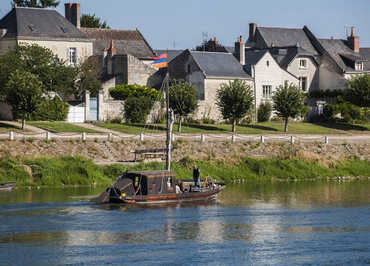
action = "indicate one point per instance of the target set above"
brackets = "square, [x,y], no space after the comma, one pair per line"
[48,136]
[326,140]
[292,140]
[262,139]
[173,137]
[141,136]
[110,135]
[202,138]
[233,138]
[11,135]
[83,136]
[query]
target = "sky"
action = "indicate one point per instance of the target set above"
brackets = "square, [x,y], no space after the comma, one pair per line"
[176,24]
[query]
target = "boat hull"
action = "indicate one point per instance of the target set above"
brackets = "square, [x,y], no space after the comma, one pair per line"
[205,195]
[7,186]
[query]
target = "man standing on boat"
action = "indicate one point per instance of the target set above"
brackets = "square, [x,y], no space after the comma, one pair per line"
[196,176]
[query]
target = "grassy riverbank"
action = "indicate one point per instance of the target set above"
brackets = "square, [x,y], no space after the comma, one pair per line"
[67,170]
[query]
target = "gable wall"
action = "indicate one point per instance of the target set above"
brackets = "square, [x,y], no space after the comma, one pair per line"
[311,72]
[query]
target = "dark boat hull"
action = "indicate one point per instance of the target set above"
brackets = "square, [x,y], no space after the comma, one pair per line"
[206,194]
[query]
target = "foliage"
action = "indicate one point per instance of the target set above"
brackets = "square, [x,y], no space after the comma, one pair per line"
[51,110]
[234,100]
[89,77]
[90,21]
[183,99]
[137,108]
[122,92]
[36,3]
[54,75]
[23,94]
[325,94]
[288,102]
[358,91]
[264,112]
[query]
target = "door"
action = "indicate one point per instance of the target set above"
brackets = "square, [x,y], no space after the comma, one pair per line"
[93,109]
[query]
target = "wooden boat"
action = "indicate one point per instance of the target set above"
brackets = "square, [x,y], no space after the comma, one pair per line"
[150,187]
[7,186]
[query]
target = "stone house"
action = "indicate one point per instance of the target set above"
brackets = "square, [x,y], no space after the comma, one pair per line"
[319,64]
[207,71]
[47,28]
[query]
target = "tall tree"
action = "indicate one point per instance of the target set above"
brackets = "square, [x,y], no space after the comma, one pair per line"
[48,68]
[358,91]
[23,93]
[90,21]
[36,3]
[234,101]
[183,99]
[89,77]
[288,101]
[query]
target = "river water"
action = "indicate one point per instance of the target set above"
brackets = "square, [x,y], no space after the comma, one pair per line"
[252,224]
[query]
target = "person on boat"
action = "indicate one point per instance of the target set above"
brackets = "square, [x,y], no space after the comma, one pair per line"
[196,176]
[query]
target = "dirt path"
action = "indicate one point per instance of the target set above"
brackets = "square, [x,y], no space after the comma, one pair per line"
[27,127]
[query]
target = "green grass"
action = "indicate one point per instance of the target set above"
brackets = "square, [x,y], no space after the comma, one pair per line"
[7,127]
[60,127]
[68,170]
[257,128]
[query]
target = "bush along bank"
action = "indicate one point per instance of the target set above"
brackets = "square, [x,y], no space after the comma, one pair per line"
[68,170]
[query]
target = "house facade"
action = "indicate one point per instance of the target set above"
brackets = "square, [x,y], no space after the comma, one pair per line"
[206,71]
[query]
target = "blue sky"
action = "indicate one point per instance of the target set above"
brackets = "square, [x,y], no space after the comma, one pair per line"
[180,24]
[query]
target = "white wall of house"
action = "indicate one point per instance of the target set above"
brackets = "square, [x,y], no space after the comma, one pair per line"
[61,48]
[309,71]
[269,75]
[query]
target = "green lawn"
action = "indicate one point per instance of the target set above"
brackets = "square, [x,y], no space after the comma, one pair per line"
[258,128]
[6,127]
[59,127]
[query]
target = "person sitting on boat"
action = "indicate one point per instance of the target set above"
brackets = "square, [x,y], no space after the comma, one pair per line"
[196,176]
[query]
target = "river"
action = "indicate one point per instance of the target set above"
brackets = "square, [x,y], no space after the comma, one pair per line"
[299,223]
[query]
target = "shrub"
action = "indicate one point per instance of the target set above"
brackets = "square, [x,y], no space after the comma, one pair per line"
[264,112]
[137,109]
[117,120]
[51,110]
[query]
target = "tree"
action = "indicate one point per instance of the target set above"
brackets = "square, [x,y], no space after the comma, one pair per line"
[48,68]
[264,112]
[234,100]
[288,102]
[89,77]
[23,93]
[90,21]
[36,3]
[358,91]
[183,99]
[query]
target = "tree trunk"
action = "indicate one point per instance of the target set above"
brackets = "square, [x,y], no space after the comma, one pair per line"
[234,126]
[180,124]
[286,124]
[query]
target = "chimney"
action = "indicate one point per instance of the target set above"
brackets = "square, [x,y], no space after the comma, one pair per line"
[252,32]
[240,51]
[73,13]
[354,41]
[112,49]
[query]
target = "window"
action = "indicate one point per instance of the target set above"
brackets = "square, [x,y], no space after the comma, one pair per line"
[359,66]
[303,83]
[267,63]
[266,91]
[189,69]
[72,56]
[303,63]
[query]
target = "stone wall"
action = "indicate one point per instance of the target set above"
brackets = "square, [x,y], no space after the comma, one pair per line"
[7,45]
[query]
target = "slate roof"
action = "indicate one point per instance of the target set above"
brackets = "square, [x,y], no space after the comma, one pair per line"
[340,51]
[219,65]
[284,37]
[125,41]
[365,53]
[171,53]
[39,23]
[253,56]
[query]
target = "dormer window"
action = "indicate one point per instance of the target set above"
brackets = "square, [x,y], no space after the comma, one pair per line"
[359,66]
[303,63]
[32,28]
[65,30]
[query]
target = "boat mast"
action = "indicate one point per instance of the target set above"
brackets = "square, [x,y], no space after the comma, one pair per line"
[170,120]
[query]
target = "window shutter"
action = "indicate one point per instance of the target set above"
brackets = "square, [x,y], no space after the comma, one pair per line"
[67,56]
[77,56]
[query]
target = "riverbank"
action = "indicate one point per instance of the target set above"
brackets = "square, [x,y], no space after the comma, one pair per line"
[67,170]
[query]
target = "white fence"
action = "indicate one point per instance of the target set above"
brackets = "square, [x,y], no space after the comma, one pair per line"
[191,137]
